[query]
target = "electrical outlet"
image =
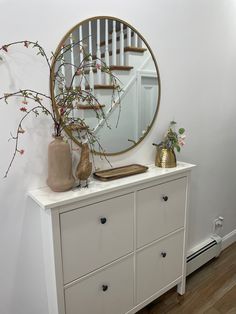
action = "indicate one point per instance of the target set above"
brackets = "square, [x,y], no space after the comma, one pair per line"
[218,223]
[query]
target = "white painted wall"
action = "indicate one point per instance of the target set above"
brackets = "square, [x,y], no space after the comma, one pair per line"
[194,42]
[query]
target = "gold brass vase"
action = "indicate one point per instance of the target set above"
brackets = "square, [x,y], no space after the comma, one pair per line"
[165,158]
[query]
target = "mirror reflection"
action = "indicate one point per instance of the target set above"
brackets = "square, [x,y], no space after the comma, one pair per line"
[122,117]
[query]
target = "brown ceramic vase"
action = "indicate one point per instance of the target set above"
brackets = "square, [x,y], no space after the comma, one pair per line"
[60,177]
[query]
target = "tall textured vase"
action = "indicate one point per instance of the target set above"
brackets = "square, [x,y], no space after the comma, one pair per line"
[165,158]
[60,177]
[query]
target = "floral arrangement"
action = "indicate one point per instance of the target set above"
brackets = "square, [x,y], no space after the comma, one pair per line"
[173,139]
[65,101]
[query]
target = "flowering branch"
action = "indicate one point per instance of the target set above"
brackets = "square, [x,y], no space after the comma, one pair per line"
[68,97]
[19,131]
[173,139]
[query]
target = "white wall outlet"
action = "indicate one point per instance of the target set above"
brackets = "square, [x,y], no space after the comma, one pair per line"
[218,224]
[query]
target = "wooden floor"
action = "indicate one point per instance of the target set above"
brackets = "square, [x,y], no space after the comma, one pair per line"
[210,290]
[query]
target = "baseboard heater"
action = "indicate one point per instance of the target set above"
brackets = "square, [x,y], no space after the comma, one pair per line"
[202,253]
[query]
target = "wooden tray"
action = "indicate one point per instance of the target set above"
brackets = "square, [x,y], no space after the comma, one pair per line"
[120,172]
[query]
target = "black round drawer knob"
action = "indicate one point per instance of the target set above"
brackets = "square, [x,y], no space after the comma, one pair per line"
[103,220]
[165,198]
[163,254]
[104,287]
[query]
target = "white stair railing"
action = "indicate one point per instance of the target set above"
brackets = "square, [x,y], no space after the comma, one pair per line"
[63,72]
[140,42]
[72,60]
[91,76]
[135,40]
[117,101]
[74,78]
[114,43]
[82,81]
[106,50]
[121,45]
[98,61]
[128,37]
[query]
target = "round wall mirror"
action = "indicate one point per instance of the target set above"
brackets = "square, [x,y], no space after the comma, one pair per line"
[121,75]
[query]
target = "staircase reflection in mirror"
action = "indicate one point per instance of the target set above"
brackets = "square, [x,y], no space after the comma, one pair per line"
[111,42]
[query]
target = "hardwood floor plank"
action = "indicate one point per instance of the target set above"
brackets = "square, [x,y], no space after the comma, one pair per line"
[209,290]
[227,302]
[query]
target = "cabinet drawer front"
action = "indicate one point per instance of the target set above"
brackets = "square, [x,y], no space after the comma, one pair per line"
[109,291]
[160,210]
[159,265]
[95,235]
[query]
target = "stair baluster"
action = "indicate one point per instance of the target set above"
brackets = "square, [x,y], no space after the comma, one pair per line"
[82,83]
[91,76]
[106,50]
[121,45]
[135,40]
[98,61]
[114,44]
[63,72]
[72,59]
[128,37]
[140,42]
[73,70]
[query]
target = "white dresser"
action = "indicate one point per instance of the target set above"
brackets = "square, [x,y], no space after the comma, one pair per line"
[118,245]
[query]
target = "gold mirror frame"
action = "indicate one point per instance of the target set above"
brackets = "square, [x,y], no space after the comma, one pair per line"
[52,86]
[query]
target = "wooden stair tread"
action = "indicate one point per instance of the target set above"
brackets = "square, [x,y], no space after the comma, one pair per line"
[134,49]
[113,68]
[101,86]
[117,39]
[90,107]
[126,49]
[120,68]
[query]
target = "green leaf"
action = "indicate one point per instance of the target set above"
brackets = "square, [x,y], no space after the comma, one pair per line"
[178,148]
[181,131]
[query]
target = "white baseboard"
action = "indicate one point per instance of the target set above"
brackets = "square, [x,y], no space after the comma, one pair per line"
[229,239]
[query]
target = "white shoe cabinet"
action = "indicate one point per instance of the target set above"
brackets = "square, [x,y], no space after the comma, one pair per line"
[116,246]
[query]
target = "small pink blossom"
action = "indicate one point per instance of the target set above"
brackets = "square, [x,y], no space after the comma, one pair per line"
[26,43]
[98,66]
[21,151]
[23,109]
[62,111]
[24,102]
[4,47]
[181,142]
[21,130]
[78,72]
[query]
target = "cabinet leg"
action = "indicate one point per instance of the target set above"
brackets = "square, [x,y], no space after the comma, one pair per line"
[181,287]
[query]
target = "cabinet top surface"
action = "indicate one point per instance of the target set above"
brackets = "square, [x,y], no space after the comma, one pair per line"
[46,198]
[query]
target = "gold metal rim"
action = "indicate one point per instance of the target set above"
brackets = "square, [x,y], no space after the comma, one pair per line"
[68,132]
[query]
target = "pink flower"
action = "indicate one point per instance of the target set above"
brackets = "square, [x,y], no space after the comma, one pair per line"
[21,151]
[181,142]
[24,102]
[26,43]
[21,130]
[62,111]
[23,109]
[98,66]
[5,48]
[78,72]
